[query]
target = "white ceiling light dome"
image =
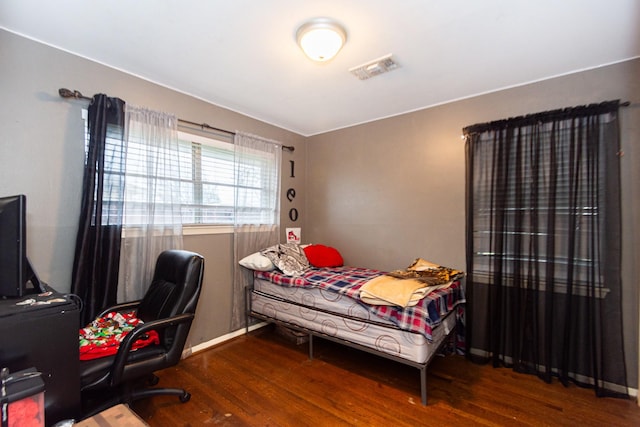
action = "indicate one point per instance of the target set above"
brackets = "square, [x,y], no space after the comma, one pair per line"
[321,38]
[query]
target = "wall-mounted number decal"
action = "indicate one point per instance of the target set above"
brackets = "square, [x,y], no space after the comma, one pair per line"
[291,194]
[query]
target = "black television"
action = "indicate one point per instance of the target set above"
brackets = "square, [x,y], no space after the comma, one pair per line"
[17,277]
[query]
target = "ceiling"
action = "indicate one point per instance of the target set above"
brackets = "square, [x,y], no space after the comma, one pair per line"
[242,54]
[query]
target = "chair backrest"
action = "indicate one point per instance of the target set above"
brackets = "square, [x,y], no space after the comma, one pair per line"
[175,289]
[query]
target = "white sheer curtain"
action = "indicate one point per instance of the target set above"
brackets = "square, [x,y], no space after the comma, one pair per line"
[257,209]
[152,218]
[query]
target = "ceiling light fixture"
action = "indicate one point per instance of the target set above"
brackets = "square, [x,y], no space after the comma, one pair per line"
[321,38]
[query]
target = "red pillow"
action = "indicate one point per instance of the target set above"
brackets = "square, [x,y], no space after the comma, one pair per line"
[323,256]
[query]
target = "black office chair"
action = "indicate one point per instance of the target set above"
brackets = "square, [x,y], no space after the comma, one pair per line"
[168,307]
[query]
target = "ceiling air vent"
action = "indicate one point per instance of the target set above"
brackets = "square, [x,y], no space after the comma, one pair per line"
[373,68]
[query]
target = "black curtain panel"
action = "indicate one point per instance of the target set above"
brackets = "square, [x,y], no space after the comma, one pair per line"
[97,254]
[543,246]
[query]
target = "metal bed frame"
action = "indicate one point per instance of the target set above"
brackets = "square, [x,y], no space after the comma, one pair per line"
[422,367]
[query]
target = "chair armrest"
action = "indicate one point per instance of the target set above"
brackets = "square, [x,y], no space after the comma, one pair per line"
[120,361]
[125,306]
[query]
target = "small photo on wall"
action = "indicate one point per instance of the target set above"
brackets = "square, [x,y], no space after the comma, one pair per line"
[293,235]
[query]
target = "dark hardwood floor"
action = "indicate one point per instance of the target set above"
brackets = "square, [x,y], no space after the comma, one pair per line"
[264,379]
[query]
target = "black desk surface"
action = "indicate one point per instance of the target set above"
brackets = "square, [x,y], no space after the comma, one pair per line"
[36,303]
[43,333]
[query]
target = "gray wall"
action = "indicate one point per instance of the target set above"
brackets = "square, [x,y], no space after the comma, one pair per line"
[383,193]
[42,155]
[387,192]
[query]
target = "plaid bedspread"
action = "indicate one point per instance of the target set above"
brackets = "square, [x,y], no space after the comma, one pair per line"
[422,318]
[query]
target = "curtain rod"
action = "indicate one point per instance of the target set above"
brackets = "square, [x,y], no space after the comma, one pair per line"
[544,116]
[67,93]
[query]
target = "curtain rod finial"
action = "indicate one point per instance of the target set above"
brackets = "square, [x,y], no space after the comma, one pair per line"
[65,93]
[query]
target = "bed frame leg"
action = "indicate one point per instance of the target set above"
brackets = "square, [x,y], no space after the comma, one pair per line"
[423,384]
[310,346]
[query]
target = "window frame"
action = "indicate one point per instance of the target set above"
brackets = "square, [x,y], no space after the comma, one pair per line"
[184,136]
[203,228]
[482,231]
[193,138]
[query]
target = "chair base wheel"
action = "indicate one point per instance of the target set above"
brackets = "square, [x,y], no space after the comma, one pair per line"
[185,397]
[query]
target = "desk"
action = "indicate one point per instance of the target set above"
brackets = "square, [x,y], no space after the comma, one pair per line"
[44,337]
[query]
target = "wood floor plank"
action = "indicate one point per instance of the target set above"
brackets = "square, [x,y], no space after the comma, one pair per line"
[262,379]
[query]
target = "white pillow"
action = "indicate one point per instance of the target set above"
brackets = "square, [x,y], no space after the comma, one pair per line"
[288,257]
[257,261]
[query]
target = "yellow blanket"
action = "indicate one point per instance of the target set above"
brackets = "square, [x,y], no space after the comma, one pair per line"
[386,290]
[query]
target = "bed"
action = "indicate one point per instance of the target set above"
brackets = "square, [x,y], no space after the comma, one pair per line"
[328,302]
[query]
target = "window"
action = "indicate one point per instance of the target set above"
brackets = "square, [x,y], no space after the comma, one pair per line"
[214,187]
[206,180]
[210,182]
[535,209]
[544,246]
[113,176]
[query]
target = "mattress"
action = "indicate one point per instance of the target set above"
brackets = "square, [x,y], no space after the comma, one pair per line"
[348,281]
[339,316]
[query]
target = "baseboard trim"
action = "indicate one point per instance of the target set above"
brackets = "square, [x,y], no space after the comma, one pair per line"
[632,392]
[208,344]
